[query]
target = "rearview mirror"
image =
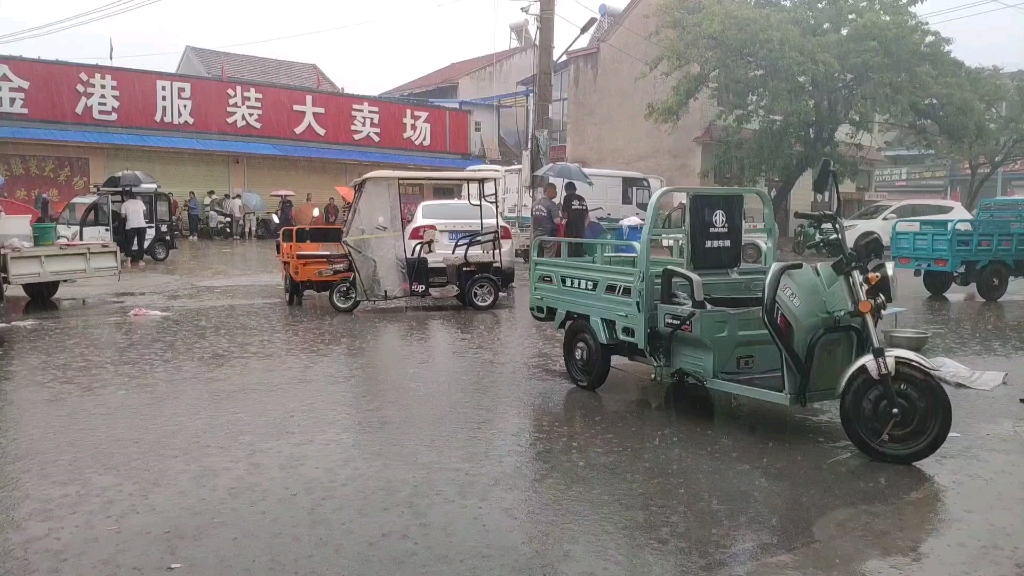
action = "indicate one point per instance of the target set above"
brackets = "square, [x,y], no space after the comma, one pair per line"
[891,216]
[822,179]
[316,212]
[275,219]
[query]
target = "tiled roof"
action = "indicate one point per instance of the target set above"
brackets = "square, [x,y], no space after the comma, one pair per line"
[259,69]
[451,73]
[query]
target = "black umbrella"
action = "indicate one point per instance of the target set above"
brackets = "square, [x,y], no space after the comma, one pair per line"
[127,179]
[565,171]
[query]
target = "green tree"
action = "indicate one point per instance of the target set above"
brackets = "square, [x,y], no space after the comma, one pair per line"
[974,116]
[793,81]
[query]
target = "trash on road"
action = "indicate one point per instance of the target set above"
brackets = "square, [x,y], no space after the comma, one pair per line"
[173,567]
[144,312]
[960,376]
[954,435]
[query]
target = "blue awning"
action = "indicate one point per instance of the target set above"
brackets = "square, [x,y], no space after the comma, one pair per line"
[231,147]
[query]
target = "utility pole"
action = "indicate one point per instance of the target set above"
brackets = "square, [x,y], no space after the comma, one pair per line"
[539,141]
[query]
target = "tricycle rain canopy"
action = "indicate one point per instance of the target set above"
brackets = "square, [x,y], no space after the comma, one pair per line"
[374,237]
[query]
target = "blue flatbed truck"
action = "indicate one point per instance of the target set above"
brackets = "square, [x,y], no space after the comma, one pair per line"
[987,250]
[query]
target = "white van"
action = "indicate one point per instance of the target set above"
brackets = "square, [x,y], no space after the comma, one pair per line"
[614,193]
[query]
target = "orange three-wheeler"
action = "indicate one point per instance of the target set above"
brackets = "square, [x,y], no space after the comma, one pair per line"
[313,258]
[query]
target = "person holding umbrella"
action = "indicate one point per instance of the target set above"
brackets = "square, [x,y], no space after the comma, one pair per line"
[576,214]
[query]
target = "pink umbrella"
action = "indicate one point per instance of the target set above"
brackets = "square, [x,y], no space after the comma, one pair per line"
[282,194]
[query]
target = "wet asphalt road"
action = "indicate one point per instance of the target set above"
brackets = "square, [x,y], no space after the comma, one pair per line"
[241,436]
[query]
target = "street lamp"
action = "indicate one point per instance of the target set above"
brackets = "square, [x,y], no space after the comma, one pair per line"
[583,30]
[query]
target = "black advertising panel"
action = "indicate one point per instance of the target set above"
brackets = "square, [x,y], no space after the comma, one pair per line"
[716,231]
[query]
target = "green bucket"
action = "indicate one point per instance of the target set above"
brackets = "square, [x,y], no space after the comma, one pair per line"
[44,234]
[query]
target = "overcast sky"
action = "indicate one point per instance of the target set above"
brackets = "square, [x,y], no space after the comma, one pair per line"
[382,44]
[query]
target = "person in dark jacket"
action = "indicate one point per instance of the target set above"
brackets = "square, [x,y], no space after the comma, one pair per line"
[284,213]
[331,212]
[576,214]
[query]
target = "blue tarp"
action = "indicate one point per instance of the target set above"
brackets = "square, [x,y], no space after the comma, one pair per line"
[231,147]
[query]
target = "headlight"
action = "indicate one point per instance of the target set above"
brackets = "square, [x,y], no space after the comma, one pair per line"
[850,226]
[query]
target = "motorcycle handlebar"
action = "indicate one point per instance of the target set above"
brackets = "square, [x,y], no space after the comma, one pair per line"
[819,216]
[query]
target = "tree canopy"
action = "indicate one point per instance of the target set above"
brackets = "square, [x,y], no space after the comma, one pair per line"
[974,116]
[796,80]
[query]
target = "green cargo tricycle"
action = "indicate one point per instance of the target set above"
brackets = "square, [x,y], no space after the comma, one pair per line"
[684,302]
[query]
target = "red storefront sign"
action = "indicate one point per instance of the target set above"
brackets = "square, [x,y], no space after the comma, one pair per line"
[28,176]
[41,91]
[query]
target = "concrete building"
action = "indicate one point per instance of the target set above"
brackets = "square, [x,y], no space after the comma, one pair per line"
[231,123]
[486,86]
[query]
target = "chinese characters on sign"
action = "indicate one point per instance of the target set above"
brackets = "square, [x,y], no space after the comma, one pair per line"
[173,104]
[417,130]
[73,94]
[27,176]
[717,243]
[100,96]
[365,120]
[12,95]
[308,120]
[247,111]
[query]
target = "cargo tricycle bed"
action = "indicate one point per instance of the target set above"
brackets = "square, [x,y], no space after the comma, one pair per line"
[987,250]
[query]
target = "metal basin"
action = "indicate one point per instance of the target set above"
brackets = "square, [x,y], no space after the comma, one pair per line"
[913,340]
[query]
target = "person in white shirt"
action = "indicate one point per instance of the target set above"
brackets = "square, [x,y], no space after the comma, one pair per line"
[134,213]
[235,208]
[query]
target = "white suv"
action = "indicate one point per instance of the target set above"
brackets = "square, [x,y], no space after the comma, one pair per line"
[879,218]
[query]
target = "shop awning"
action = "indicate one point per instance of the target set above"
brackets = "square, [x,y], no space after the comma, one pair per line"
[231,147]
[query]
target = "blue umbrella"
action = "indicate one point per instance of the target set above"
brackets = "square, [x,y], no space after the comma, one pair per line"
[253,201]
[565,171]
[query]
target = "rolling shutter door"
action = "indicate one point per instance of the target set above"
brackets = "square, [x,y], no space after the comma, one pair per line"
[176,172]
[264,175]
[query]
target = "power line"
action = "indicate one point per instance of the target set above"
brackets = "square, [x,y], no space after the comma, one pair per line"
[121,10]
[956,8]
[63,20]
[264,41]
[1004,7]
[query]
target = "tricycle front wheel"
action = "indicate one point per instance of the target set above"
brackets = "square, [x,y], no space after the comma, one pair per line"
[343,297]
[925,415]
[586,360]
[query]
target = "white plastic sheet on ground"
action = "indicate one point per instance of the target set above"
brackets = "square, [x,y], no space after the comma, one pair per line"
[958,375]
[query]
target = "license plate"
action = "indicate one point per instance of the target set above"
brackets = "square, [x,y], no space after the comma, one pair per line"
[454,235]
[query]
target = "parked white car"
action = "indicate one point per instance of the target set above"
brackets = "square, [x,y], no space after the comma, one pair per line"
[879,218]
[452,220]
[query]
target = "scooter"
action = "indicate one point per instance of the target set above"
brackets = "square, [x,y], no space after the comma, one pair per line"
[815,234]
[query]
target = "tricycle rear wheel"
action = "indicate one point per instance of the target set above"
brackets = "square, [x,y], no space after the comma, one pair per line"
[993,281]
[41,291]
[923,425]
[937,283]
[482,293]
[586,360]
